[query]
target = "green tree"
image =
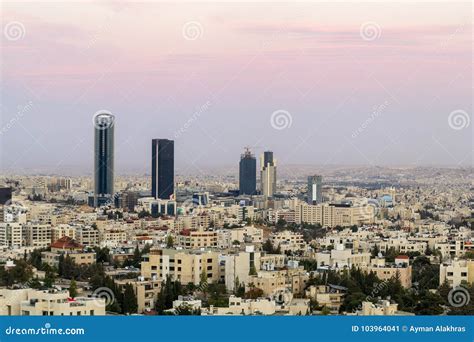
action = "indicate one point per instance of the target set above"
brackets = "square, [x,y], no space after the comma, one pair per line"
[254,293]
[325,311]
[203,278]
[375,251]
[169,241]
[73,289]
[137,257]
[268,247]
[129,304]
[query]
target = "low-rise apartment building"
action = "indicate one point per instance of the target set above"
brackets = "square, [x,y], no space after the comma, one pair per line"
[31,302]
[186,266]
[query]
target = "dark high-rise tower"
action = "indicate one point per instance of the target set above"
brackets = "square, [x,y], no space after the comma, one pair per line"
[103,157]
[247,173]
[267,158]
[162,168]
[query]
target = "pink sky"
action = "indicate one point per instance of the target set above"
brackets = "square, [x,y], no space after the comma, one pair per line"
[310,59]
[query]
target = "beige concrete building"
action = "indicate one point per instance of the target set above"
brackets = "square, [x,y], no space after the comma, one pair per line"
[79,258]
[62,230]
[11,235]
[386,272]
[37,235]
[239,306]
[87,236]
[331,215]
[200,238]
[451,249]
[239,266]
[187,266]
[331,297]
[381,308]
[342,257]
[456,272]
[31,302]
[268,281]
[288,241]
[146,292]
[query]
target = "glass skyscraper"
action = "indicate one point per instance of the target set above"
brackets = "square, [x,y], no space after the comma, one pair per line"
[162,168]
[247,173]
[103,157]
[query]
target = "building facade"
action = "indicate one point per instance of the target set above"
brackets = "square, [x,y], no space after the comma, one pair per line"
[268,174]
[103,158]
[162,168]
[247,173]
[315,189]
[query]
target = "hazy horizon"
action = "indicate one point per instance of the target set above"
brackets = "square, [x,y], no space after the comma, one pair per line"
[321,84]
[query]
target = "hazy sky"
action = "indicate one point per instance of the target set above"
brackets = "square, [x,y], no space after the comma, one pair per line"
[317,83]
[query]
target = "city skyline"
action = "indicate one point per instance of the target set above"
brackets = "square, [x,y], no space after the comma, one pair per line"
[308,161]
[357,88]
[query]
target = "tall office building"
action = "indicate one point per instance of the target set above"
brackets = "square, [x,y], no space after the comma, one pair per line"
[247,173]
[103,157]
[162,168]
[315,189]
[268,174]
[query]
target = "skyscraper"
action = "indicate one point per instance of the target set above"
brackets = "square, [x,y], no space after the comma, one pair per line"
[103,157]
[268,174]
[162,168]
[247,173]
[315,189]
